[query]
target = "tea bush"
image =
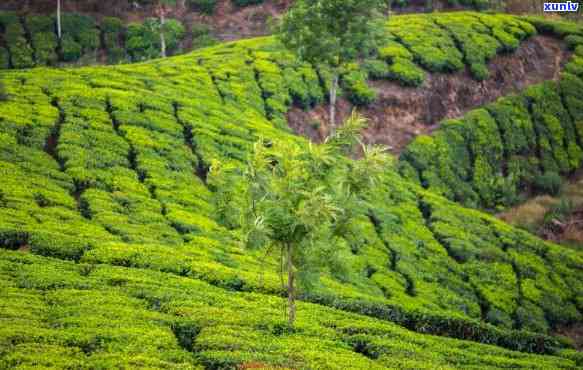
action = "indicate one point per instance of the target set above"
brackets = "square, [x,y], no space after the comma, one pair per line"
[21,54]
[357,91]
[113,30]
[44,40]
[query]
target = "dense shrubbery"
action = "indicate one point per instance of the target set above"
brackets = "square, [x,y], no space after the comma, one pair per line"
[541,134]
[21,54]
[44,40]
[437,53]
[113,31]
[143,40]
[355,86]
[82,37]
[99,313]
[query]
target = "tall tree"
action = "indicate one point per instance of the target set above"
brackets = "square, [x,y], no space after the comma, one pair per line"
[332,33]
[300,198]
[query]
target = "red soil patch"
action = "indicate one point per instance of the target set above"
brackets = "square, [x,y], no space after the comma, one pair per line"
[400,114]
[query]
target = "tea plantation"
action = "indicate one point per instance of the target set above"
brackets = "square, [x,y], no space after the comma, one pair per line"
[112,255]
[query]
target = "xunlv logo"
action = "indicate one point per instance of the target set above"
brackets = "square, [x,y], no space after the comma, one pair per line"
[561,7]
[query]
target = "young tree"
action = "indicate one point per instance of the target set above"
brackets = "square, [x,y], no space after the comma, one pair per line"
[332,33]
[300,199]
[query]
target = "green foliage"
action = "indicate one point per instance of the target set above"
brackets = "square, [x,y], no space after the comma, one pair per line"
[43,38]
[21,53]
[82,30]
[112,30]
[548,183]
[392,50]
[376,69]
[406,72]
[437,53]
[246,2]
[143,40]
[356,88]
[102,312]
[477,47]
[334,33]
[573,41]
[202,36]
[4,58]
[294,199]
[71,49]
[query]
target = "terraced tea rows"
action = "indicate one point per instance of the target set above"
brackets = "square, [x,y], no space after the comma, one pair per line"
[106,168]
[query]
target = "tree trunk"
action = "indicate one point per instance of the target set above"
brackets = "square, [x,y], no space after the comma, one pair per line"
[59,18]
[333,91]
[162,37]
[291,299]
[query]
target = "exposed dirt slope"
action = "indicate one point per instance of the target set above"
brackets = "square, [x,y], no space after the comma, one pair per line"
[400,113]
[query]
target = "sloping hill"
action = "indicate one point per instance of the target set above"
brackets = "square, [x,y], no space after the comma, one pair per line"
[112,255]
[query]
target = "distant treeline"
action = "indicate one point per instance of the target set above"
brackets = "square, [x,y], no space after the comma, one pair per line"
[32,40]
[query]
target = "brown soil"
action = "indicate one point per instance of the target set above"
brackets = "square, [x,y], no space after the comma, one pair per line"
[399,114]
[24,248]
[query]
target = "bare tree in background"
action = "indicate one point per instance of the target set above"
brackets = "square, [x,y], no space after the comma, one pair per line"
[161,10]
[59,19]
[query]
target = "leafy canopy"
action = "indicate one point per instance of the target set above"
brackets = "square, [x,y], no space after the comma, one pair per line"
[301,195]
[332,32]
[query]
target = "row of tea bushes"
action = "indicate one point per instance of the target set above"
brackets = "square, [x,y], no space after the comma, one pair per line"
[63,314]
[456,40]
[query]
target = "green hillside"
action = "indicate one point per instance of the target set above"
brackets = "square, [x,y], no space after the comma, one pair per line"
[112,254]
